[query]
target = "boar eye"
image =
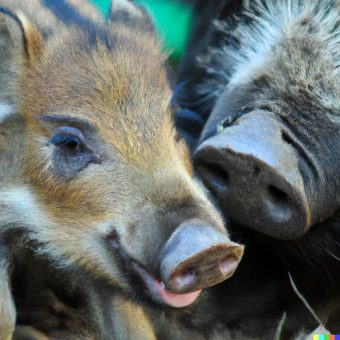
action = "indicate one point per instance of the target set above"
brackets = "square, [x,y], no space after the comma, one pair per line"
[70,142]
[69,139]
[72,152]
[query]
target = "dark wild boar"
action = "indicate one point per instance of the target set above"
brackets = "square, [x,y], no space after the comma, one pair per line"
[264,90]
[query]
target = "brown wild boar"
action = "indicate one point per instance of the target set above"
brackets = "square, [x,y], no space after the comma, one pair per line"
[98,201]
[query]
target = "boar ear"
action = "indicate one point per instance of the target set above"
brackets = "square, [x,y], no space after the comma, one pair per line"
[124,8]
[127,11]
[17,35]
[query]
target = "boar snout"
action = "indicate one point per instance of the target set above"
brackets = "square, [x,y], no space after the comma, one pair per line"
[197,256]
[257,176]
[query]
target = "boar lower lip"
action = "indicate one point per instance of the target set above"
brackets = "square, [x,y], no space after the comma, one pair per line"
[148,279]
[156,289]
[161,294]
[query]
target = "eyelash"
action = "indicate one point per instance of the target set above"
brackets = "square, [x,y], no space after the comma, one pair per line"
[73,143]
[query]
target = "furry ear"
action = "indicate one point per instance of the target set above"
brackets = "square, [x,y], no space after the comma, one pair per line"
[128,12]
[125,8]
[17,35]
[20,44]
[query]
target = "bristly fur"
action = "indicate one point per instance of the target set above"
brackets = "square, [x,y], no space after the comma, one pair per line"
[93,179]
[282,57]
[256,35]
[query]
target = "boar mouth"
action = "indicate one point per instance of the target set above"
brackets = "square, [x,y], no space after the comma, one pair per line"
[155,288]
[160,294]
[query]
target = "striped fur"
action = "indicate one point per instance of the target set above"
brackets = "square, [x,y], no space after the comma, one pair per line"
[69,68]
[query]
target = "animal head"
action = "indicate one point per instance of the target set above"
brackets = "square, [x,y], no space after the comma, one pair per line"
[94,173]
[269,148]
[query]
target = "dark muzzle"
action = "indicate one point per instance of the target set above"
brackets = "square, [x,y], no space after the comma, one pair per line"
[255,174]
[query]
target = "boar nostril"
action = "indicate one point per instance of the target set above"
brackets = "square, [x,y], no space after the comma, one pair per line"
[228,265]
[278,204]
[277,195]
[215,178]
[184,279]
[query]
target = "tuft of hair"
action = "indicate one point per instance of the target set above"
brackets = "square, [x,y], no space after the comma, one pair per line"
[303,34]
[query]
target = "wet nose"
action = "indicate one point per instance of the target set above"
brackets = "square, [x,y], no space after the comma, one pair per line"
[255,174]
[197,256]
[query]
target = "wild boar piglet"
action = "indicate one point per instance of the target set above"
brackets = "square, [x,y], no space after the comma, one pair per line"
[93,176]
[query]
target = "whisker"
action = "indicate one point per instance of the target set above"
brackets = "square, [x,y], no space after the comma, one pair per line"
[337,258]
[305,302]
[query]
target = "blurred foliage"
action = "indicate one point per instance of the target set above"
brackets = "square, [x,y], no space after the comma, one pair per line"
[173,21]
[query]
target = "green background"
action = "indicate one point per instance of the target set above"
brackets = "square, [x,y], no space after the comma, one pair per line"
[173,22]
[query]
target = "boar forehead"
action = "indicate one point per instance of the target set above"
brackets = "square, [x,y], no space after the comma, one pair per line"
[115,79]
[286,50]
